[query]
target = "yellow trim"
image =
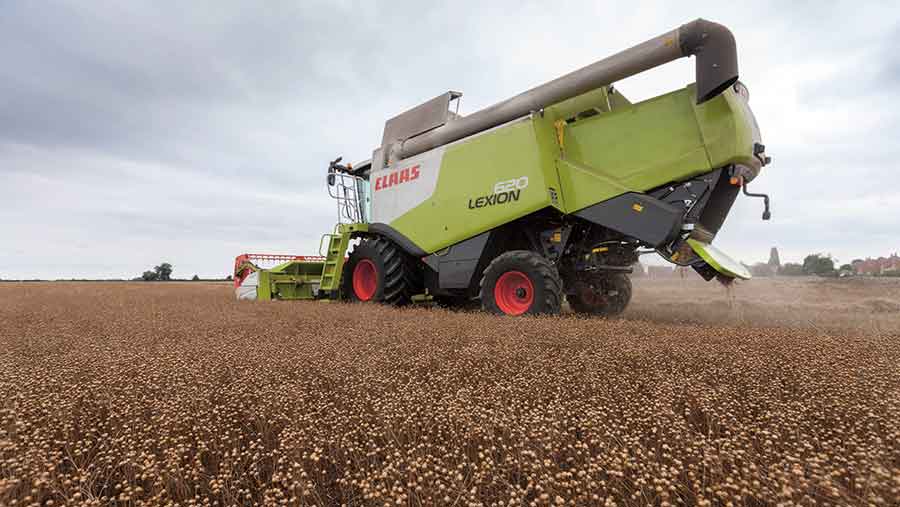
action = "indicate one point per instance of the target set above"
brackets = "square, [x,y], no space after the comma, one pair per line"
[560,126]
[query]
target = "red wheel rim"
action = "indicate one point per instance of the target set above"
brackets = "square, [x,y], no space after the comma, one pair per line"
[590,296]
[514,293]
[365,280]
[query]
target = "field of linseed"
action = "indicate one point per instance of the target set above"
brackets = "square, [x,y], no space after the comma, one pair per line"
[867,305]
[147,394]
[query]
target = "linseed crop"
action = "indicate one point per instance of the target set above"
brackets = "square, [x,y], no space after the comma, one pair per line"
[142,394]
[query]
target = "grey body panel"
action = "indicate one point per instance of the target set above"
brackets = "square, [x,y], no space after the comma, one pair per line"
[422,118]
[712,197]
[377,160]
[457,266]
[637,215]
[716,68]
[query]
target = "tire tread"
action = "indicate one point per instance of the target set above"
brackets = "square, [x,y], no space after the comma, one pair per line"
[549,280]
[401,277]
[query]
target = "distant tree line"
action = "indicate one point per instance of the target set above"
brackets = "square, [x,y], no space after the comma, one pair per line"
[163,273]
[813,264]
[817,264]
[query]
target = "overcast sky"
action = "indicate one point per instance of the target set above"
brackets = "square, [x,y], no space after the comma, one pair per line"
[137,132]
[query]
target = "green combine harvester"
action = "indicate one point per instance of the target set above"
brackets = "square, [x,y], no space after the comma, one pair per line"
[551,194]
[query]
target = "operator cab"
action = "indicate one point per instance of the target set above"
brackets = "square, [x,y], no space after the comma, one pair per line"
[349,186]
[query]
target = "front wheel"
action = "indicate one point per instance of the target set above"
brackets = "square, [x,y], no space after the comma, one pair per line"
[377,270]
[521,282]
[608,295]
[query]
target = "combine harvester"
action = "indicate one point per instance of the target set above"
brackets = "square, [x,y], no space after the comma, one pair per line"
[552,193]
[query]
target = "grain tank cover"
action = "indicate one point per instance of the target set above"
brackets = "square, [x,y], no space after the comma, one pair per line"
[420,119]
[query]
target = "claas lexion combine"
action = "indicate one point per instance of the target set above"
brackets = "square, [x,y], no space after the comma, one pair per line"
[549,195]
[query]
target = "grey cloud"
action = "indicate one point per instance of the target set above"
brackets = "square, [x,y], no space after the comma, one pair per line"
[891,73]
[197,85]
[141,131]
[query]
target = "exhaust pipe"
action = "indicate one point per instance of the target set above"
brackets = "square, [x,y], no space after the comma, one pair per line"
[716,70]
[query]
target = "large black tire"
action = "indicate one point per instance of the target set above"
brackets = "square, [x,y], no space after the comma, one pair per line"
[521,282]
[377,270]
[607,296]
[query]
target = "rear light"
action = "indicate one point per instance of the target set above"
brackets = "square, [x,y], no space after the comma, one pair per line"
[742,90]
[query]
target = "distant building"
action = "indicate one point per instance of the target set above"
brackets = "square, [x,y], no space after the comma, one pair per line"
[892,265]
[876,267]
[774,260]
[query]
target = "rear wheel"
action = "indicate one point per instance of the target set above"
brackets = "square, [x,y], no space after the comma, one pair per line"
[521,282]
[377,270]
[608,295]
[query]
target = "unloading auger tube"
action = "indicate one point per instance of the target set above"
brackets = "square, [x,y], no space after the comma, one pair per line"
[716,69]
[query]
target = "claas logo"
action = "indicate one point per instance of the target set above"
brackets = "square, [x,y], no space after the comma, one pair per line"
[397,177]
